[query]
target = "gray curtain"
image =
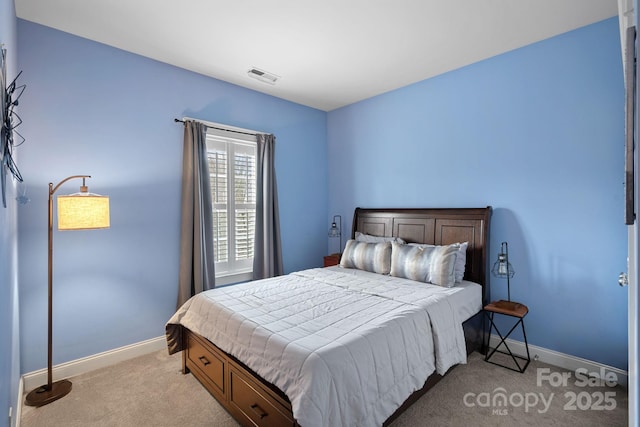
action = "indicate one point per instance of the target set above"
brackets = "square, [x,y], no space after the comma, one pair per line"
[197,271]
[267,255]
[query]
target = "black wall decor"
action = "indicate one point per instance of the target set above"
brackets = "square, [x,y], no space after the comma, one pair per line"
[10,121]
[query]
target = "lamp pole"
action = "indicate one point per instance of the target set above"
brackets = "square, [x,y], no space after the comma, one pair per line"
[51,391]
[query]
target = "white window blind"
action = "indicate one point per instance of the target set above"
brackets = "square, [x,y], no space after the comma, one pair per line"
[232,171]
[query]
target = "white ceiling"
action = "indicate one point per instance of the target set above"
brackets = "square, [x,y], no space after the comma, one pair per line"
[328,53]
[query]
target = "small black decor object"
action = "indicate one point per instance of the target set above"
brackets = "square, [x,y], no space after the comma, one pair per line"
[10,121]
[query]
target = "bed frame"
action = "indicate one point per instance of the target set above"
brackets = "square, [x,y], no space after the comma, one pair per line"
[252,401]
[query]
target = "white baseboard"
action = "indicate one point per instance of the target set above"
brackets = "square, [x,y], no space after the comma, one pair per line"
[561,360]
[86,364]
[17,415]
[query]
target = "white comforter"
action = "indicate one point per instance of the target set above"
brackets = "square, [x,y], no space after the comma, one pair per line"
[347,350]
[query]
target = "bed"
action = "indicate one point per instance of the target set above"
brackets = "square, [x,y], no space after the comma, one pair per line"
[340,346]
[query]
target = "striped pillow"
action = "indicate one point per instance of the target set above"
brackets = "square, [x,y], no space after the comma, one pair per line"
[373,257]
[430,264]
[461,259]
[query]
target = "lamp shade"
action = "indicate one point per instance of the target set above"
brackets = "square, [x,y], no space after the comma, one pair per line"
[334,231]
[336,225]
[83,211]
[502,267]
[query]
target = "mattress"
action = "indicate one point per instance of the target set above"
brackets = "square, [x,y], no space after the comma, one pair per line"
[465,297]
[346,348]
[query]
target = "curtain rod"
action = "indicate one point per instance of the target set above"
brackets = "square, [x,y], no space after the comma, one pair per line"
[217,126]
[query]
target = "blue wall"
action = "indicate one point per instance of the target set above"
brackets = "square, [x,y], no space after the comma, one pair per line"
[9,324]
[537,133]
[92,109]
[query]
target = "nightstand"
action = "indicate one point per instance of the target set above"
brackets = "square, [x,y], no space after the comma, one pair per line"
[333,259]
[511,309]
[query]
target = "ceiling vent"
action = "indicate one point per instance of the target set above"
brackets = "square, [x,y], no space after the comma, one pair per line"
[263,76]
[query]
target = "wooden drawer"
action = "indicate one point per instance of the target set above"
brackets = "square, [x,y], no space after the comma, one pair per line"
[205,360]
[255,404]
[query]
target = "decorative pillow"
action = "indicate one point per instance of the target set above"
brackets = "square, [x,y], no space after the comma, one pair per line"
[362,237]
[461,259]
[373,257]
[425,263]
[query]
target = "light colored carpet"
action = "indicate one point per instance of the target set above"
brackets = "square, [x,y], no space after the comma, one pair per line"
[151,391]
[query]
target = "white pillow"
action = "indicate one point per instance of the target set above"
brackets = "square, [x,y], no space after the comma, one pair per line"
[461,259]
[362,237]
[373,257]
[425,263]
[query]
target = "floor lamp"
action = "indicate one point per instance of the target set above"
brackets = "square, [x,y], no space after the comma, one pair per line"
[79,211]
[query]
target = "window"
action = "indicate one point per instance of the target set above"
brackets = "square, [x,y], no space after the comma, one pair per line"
[232,171]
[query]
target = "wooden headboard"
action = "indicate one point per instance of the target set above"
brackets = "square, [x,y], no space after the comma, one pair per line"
[435,227]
